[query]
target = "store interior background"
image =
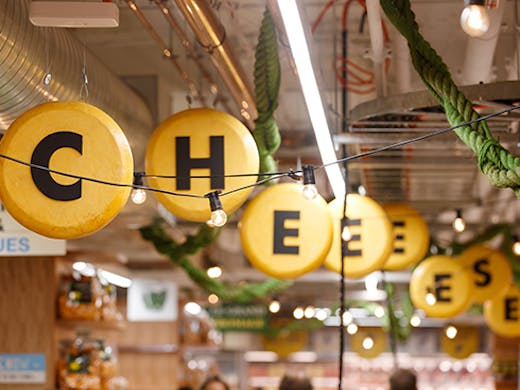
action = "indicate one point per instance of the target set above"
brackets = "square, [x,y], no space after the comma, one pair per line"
[436,177]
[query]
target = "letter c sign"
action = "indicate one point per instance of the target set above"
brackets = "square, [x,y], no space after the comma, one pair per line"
[71,137]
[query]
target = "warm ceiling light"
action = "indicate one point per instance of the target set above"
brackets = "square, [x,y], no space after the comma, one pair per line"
[321,314]
[309,183]
[415,320]
[459,225]
[213,298]
[474,18]
[368,343]
[218,215]
[298,313]
[309,312]
[138,194]
[300,51]
[352,329]
[430,299]
[379,311]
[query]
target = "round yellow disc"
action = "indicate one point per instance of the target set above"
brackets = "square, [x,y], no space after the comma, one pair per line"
[201,142]
[369,342]
[441,287]
[464,344]
[283,234]
[74,138]
[490,270]
[411,236]
[371,241]
[502,314]
[285,342]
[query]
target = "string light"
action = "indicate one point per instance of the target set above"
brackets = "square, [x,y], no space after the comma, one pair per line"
[352,329]
[459,225]
[346,233]
[379,311]
[138,193]
[430,299]
[214,272]
[347,317]
[275,306]
[415,320]
[368,343]
[309,183]
[321,314]
[474,18]
[516,245]
[213,299]
[298,313]
[218,215]
[309,312]
[451,332]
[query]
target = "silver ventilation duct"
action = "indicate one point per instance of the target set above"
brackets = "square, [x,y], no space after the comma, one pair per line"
[28,53]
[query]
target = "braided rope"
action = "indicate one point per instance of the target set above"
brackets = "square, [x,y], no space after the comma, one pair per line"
[500,167]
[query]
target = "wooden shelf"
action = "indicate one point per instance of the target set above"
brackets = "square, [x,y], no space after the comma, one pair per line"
[86,324]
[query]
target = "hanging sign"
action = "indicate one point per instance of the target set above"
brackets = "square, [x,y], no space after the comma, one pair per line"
[441,287]
[502,314]
[16,240]
[490,270]
[285,342]
[369,342]
[22,368]
[465,342]
[201,142]
[239,317]
[411,236]
[71,137]
[283,234]
[371,233]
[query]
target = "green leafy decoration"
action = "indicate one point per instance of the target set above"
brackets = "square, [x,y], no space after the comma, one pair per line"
[292,326]
[500,166]
[267,87]
[178,254]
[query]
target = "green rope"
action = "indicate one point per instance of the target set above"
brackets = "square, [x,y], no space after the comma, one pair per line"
[242,293]
[267,87]
[500,166]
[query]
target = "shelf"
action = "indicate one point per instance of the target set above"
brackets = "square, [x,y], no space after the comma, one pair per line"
[86,324]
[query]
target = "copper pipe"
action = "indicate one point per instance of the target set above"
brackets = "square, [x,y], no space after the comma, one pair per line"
[212,37]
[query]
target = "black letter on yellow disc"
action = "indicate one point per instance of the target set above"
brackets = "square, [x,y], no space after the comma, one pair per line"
[184,163]
[511,308]
[41,156]
[478,269]
[280,232]
[439,288]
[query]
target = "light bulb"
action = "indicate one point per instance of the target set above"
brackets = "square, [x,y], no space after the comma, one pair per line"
[213,298]
[218,218]
[379,312]
[274,306]
[459,225]
[214,272]
[321,315]
[309,191]
[368,343]
[347,317]
[346,234]
[298,313]
[352,329]
[415,320]
[474,19]
[451,332]
[309,312]
[516,246]
[138,196]
[430,299]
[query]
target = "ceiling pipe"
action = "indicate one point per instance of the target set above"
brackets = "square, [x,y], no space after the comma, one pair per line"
[165,10]
[480,51]
[28,54]
[212,37]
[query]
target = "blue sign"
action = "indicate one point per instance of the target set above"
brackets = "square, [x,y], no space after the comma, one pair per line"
[22,368]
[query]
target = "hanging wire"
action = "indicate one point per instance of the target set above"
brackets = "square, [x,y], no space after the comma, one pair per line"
[83,92]
[272,176]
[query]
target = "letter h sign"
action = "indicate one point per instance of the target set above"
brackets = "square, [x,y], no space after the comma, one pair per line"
[185,163]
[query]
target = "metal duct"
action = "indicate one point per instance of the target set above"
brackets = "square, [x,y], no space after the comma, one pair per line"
[27,53]
[212,36]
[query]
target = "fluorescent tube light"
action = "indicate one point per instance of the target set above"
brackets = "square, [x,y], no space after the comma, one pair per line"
[300,51]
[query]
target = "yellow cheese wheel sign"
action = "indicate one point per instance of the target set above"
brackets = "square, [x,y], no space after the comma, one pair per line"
[369,342]
[285,342]
[490,270]
[201,142]
[74,138]
[283,234]
[371,241]
[441,287]
[465,342]
[502,314]
[411,236]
